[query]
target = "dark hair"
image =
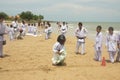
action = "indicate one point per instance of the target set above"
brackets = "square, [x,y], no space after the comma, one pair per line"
[49,25]
[99,27]
[61,39]
[64,23]
[11,26]
[111,28]
[23,21]
[80,23]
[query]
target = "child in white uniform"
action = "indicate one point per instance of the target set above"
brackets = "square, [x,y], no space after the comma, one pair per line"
[111,43]
[80,34]
[32,28]
[118,44]
[59,52]
[29,28]
[63,29]
[23,26]
[35,30]
[11,33]
[16,28]
[49,31]
[98,44]
[46,32]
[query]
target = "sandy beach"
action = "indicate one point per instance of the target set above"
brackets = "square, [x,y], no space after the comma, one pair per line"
[30,59]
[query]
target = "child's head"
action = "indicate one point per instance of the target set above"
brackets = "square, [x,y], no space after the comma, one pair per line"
[111,29]
[61,39]
[80,25]
[99,28]
[49,25]
[11,26]
[29,24]
[23,21]
[7,25]
[64,23]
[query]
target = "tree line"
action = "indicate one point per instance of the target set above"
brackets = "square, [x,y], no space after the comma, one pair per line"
[27,15]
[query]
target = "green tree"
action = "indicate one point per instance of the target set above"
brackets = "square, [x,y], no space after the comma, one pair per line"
[4,15]
[35,17]
[30,16]
[40,17]
[26,15]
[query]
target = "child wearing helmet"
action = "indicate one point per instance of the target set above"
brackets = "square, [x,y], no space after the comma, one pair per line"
[59,52]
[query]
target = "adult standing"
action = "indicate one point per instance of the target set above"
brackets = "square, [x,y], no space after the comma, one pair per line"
[80,34]
[2,32]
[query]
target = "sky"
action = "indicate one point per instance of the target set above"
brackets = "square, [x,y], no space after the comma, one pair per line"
[66,10]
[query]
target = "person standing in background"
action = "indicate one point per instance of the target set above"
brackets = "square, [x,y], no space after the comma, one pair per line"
[111,43]
[98,44]
[16,27]
[23,27]
[63,29]
[49,31]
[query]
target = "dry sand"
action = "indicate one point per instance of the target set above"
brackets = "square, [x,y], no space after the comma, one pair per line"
[30,59]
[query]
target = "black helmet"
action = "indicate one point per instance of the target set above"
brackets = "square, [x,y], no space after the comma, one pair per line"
[61,39]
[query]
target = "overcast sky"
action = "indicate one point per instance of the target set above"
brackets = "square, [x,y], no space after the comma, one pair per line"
[66,10]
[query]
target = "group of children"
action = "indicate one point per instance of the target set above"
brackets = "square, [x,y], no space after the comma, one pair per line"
[16,31]
[112,44]
[32,29]
[59,51]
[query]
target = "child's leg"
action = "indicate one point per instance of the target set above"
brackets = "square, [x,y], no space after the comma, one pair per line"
[111,56]
[77,47]
[46,36]
[96,56]
[23,33]
[83,48]
[1,48]
[118,56]
[99,55]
